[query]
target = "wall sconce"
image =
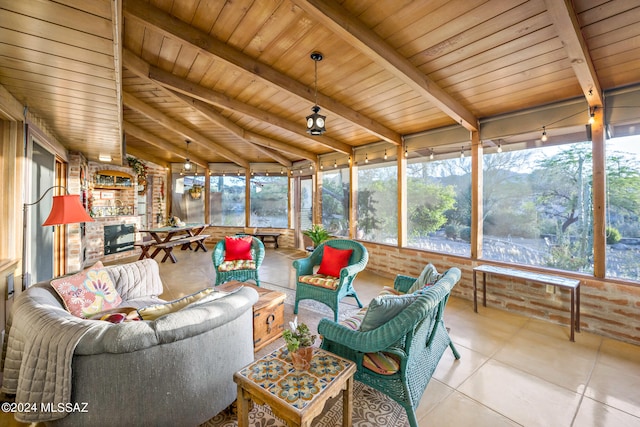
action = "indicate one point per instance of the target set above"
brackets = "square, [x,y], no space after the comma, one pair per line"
[65,209]
[316,121]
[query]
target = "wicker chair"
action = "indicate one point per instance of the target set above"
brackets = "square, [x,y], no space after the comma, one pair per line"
[330,297]
[416,337]
[244,274]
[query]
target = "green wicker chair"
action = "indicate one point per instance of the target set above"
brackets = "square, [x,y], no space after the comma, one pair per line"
[416,336]
[330,297]
[257,253]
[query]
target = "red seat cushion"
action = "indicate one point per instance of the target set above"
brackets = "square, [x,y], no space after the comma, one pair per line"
[236,248]
[334,260]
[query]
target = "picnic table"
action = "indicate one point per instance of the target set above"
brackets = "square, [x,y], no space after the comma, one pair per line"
[166,238]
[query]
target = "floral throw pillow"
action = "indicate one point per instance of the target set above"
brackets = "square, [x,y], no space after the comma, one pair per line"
[87,292]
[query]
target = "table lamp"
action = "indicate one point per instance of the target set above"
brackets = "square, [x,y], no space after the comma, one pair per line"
[65,209]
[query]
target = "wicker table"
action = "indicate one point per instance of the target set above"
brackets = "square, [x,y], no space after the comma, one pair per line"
[296,396]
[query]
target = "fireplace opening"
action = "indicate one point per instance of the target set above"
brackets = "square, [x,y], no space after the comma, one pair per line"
[118,238]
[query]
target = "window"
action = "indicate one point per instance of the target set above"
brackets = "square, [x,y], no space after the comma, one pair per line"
[377,203]
[335,201]
[188,198]
[538,207]
[269,201]
[623,208]
[439,205]
[227,200]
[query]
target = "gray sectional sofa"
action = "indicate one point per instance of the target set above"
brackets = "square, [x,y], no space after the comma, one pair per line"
[175,370]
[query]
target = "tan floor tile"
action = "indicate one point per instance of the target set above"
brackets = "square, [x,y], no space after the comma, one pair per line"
[457,410]
[593,413]
[454,372]
[554,359]
[521,397]
[434,394]
[615,386]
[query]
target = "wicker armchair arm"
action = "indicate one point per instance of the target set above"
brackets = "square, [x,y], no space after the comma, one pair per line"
[303,266]
[403,283]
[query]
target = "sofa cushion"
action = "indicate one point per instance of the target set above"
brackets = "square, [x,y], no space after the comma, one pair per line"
[428,277]
[87,292]
[238,264]
[321,280]
[334,260]
[154,311]
[237,248]
[381,363]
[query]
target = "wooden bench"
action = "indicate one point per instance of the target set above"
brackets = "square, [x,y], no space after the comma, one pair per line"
[184,242]
[273,238]
[572,284]
[144,246]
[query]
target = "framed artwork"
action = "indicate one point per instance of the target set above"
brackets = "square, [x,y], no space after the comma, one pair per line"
[108,195]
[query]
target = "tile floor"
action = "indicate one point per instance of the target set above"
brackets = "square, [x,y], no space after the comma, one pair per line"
[514,370]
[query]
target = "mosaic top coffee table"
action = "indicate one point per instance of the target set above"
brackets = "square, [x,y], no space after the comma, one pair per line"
[296,396]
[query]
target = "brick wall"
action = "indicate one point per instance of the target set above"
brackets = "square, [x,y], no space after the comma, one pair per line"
[607,307]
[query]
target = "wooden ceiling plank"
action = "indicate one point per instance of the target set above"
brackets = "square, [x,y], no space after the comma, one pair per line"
[181,129]
[568,29]
[146,155]
[227,125]
[173,27]
[357,34]
[212,97]
[161,143]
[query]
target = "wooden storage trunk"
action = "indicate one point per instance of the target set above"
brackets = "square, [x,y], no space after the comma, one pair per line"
[268,313]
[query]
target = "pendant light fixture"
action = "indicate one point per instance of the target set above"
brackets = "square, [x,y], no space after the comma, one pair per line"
[187,162]
[315,121]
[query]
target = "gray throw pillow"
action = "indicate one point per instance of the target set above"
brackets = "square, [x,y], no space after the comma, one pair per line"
[428,276]
[384,308]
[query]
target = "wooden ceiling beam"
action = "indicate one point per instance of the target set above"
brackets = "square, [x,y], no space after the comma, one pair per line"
[174,28]
[170,81]
[566,24]
[141,154]
[148,137]
[177,127]
[354,32]
[215,117]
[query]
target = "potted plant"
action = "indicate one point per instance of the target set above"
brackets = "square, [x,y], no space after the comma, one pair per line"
[317,233]
[195,191]
[299,340]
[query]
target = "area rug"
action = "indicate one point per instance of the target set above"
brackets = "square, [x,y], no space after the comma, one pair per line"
[370,409]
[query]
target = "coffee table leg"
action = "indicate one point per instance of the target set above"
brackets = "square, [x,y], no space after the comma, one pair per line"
[347,403]
[243,408]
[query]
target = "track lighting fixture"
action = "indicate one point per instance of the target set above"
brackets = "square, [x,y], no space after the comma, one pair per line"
[462,153]
[544,137]
[385,154]
[431,155]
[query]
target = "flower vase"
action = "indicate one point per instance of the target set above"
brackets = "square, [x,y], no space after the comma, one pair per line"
[301,358]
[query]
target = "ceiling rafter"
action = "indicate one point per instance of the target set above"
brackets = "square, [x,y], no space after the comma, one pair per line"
[177,127]
[210,114]
[172,82]
[145,155]
[566,24]
[354,32]
[161,143]
[138,67]
[174,28]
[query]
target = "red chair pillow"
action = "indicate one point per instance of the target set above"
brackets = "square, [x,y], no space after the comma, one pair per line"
[334,260]
[236,248]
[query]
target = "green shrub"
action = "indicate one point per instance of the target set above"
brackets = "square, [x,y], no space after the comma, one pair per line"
[613,235]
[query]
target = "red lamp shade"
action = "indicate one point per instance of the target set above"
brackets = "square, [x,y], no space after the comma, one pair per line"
[67,209]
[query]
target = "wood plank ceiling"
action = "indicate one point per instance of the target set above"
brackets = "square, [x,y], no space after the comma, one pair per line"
[236,78]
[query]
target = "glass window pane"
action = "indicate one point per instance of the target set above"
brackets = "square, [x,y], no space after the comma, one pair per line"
[335,201]
[269,201]
[623,208]
[538,207]
[227,200]
[188,198]
[438,205]
[377,210]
